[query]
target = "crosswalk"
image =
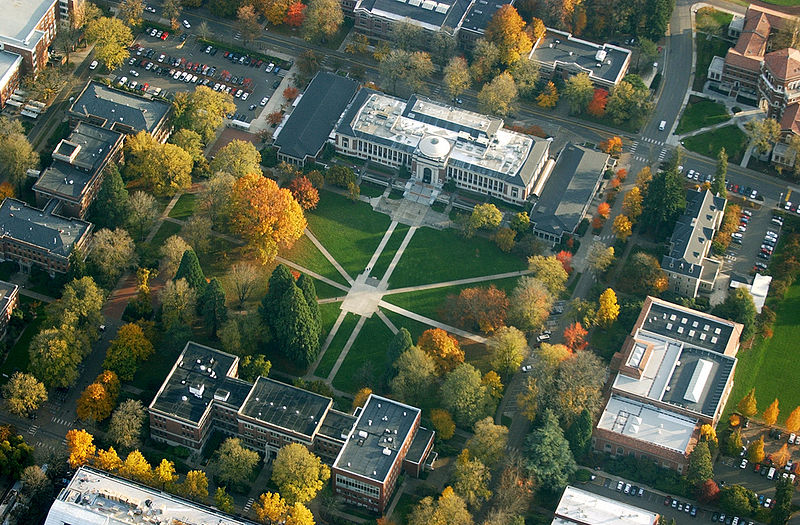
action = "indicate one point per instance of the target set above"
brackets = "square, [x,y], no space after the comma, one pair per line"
[61,421]
[653,141]
[33,430]
[662,154]
[249,504]
[640,158]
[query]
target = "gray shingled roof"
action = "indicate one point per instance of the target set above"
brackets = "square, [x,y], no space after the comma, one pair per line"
[692,231]
[114,105]
[40,228]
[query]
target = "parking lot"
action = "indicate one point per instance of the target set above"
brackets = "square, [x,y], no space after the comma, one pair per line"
[751,247]
[162,66]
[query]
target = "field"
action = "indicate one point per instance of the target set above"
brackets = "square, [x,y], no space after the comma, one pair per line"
[365,362]
[700,113]
[332,353]
[184,208]
[707,47]
[308,256]
[771,364]
[709,143]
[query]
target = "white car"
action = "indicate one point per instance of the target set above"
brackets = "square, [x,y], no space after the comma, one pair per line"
[162,57]
[245,95]
[186,24]
[133,84]
[238,93]
[216,86]
[93,65]
[134,73]
[526,368]
[264,101]
[121,82]
[156,91]
[792,438]
[177,75]
[270,67]
[743,464]
[153,32]
[228,89]
[149,66]
[188,78]
[149,9]
[690,174]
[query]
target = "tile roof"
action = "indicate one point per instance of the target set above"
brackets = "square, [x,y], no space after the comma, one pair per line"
[784,64]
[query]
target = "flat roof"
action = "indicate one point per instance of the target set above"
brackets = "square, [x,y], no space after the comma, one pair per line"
[20,19]
[699,329]
[480,13]
[41,228]
[432,15]
[77,160]
[337,425]
[569,189]
[464,139]
[420,444]
[313,119]
[587,508]
[383,426]
[114,106]
[286,406]
[758,286]
[561,49]
[93,497]
[9,62]
[200,375]
[648,423]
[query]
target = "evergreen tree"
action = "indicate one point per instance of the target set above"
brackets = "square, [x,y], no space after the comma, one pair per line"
[718,184]
[306,285]
[213,306]
[700,468]
[280,281]
[296,330]
[110,207]
[784,491]
[579,434]
[550,458]
[190,270]
[77,264]
[665,201]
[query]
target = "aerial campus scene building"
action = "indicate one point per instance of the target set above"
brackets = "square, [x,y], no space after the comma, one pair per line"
[398,261]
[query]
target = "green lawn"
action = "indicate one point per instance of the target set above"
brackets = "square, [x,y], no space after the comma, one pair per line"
[430,302]
[364,364]
[329,313]
[369,189]
[444,255]
[700,113]
[770,365]
[707,48]
[308,256]
[415,328]
[339,340]
[350,231]
[709,19]
[184,208]
[18,357]
[216,261]
[326,291]
[386,256]
[709,143]
[167,229]
[783,2]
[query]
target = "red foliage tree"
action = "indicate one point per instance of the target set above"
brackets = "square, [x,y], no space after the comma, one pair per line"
[708,491]
[615,183]
[574,337]
[275,117]
[304,193]
[604,210]
[295,15]
[483,309]
[597,107]
[622,174]
[290,93]
[565,258]
[597,222]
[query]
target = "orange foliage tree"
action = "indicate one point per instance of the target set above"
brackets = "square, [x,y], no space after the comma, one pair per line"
[597,106]
[6,190]
[478,308]
[275,117]
[290,93]
[574,336]
[565,258]
[597,222]
[612,146]
[267,216]
[622,174]
[604,210]
[295,15]
[443,348]
[304,192]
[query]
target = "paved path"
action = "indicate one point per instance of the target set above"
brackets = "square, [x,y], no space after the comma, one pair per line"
[327,343]
[429,321]
[164,215]
[329,300]
[381,246]
[346,349]
[36,295]
[328,256]
[407,239]
[457,282]
[315,275]
[387,321]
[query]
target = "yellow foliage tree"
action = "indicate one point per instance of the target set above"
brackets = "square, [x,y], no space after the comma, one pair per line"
[136,468]
[361,397]
[793,421]
[195,485]
[755,451]
[747,406]
[107,460]
[494,386]
[80,446]
[771,413]
[608,311]
[267,216]
[443,348]
[443,423]
[299,515]
[781,456]
[708,433]
[165,473]
[548,98]
[632,203]
[95,403]
[506,30]
[298,473]
[734,420]
[622,227]
[270,507]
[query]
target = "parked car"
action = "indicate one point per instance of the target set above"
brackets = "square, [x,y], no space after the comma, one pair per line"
[186,24]
[620,486]
[93,65]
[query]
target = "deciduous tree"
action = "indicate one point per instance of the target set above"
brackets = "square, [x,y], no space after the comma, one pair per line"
[234,464]
[298,473]
[498,96]
[608,309]
[483,309]
[107,460]
[126,423]
[443,423]
[238,158]
[575,336]
[323,19]
[202,111]
[464,395]
[763,133]
[304,193]
[507,347]
[471,480]
[549,271]
[270,507]
[111,38]
[600,257]
[597,106]
[622,227]
[755,450]
[449,508]
[738,306]
[782,456]
[80,445]
[530,304]
[95,403]
[488,442]
[506,30]
[16,157]
[127,351]
[771,413]
[130,11]
[195,485]
[548,98]
[456,76]
[632,203]
[142,211]
[578,90]
[793,421]
[718,184]
[443,348]
[267,216]
[164,473]
[247,22]
[54,359]
[296,14]
[24,394]
[416,374]
[708,491]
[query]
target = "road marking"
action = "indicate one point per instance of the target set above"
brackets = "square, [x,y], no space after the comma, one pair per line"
[61,421]
[249,504]
[32,431]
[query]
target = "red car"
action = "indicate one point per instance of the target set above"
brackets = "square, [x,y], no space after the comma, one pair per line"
[164,35]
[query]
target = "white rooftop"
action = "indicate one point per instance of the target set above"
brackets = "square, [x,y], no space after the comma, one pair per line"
[474,139]
[587,508]
[647,423]
[20,18]
[759,289]
[95,498]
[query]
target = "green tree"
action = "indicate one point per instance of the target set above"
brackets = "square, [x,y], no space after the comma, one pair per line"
[298,473]
[406,35]
[763,133]
[485,216]
[579,434]
[126,424]
[628,102]
[298,328]
[111,38]
[238,158]
[306,285]
[15,454]
[456,76]
[549,455]
[213,307]
[464,395]
[471,480]
[233,463]
[24,394]
[80,306]
[165,168]
[190,269]
[130,11]
[127,351]
[600,257]
[738,306]
[110,207]
[665,201]
[54,359]
[448,509]
[416,374]
[507,348]
[223,501]
[488,442]
[486,60]
[526,75]
[201,111]
[718,184]
[579,90]
[736,499]
[498,96]
[323,19]
[530,304]
[252,367]
[700,468]
[550,272]
[784,492]
[747,406]
[16,156]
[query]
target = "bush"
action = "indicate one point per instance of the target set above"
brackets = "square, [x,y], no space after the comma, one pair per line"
[583,476]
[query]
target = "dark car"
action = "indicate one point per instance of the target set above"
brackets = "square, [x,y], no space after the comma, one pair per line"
[667,501]
[276,84]
[693,513]
[715,516]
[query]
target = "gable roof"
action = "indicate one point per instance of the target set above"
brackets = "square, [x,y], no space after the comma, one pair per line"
[784,64]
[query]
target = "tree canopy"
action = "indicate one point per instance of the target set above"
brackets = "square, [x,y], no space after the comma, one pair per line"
[298,473]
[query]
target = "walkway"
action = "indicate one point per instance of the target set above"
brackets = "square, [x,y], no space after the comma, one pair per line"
[431,322]
[328,256]
[457,282]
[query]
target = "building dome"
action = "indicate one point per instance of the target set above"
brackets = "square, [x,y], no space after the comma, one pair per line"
[434,147]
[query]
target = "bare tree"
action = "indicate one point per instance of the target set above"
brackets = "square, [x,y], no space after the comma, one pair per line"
[243,279]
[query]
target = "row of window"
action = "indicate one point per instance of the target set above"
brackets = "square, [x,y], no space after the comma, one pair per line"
[358,486]
[382,152]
